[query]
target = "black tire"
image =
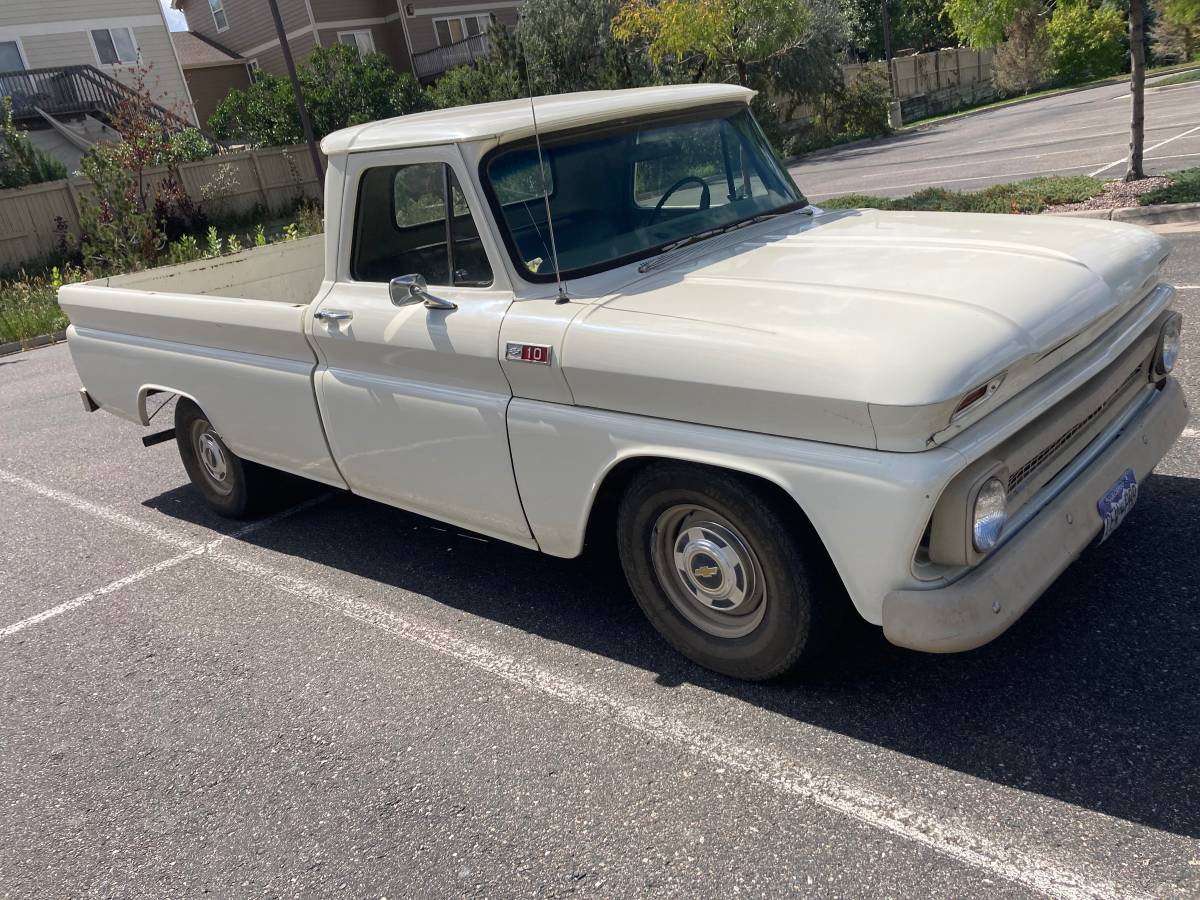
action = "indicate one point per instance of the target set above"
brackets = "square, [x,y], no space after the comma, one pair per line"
[685,532]
[233,487]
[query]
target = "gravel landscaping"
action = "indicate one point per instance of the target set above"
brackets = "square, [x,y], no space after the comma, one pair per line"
[1116,195]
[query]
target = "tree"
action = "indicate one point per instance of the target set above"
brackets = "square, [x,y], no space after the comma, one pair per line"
[726,36]
[982,23]
[1176,30]
[811,69]
[569,45]
[1024,61]
[1086,41]
[1137,89]
[919,25]
[339,88]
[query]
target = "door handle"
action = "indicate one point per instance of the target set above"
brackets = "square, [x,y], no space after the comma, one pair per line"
[333,315]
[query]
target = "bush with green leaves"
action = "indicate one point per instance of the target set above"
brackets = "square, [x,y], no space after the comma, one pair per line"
[1184,187]
[1087,41]
[1030,196]
[339,87]
[190,145]
[127,217]
[21,163]
[483,82]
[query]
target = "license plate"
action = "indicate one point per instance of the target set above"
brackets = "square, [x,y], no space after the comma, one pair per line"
[1116,503]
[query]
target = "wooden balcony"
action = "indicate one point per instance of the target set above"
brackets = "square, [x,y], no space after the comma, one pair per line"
[432,63]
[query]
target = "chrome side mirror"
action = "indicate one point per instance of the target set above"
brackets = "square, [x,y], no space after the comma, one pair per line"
[406,290]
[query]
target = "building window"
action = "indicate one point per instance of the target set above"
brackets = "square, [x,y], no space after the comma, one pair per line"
[253,70]
[218,13]
[360,40]
[458,28]
[115,45]
[11,59]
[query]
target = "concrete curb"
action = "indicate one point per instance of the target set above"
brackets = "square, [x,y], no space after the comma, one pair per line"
[42,340]
[1163,214]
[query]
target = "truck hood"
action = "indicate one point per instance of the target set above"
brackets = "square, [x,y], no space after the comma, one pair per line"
[843,315]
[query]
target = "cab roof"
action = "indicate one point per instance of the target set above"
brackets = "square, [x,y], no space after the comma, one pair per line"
[511,119]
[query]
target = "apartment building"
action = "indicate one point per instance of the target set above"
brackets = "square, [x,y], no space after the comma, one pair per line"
[425,37]
[113,37]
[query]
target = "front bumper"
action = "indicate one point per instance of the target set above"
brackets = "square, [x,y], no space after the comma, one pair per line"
[981,605]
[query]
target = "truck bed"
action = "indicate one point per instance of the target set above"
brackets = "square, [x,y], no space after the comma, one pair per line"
[226,332]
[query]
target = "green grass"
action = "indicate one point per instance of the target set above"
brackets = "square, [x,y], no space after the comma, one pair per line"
[1030,196]
[1181,78]
[28,308]
[1184,188]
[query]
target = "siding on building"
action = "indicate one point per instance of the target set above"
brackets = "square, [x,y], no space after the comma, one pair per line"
[312,23]
[251,29]
[210,85]
[420,25]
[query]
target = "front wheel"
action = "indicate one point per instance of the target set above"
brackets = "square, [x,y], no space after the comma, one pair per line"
[230,485]
[730,574]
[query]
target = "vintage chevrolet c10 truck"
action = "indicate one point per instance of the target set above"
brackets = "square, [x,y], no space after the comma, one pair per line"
[779,412]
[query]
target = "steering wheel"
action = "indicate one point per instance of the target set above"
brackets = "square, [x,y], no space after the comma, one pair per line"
[705,195]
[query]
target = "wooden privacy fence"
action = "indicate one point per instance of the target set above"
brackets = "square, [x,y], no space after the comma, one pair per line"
[231,184]
[929,83]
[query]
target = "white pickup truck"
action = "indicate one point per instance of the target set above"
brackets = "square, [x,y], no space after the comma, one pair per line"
[779,412]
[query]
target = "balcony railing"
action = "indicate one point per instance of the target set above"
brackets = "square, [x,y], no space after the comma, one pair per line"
[75,91]
[434,62]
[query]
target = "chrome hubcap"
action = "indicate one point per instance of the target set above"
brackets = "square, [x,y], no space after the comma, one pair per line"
[708,571]
[214,462]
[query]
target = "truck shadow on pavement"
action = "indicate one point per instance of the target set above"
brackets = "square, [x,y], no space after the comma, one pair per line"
[1090,699]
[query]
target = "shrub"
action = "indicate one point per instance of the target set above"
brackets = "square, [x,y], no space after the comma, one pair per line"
[127,217]
[340,88]
[21,163]
[859,109]
[1086,42]
[189,145]
[1025,60]
[1183,188]
[483,82]
[1030,196]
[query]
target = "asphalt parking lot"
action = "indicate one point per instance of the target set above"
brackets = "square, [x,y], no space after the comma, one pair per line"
[346,699]
[1080,133]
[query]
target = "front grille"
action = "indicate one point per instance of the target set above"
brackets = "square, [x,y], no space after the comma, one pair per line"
[1019,476]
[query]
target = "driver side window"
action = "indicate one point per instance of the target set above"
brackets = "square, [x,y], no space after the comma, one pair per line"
[414,220]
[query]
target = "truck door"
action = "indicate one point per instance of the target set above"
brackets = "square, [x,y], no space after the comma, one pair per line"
[412,396]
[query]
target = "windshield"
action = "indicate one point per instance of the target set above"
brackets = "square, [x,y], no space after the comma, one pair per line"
[625,192]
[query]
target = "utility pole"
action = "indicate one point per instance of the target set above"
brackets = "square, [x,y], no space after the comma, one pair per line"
[887,42]
[305,123]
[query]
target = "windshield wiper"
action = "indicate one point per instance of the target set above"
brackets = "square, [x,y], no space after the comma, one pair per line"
[712,232]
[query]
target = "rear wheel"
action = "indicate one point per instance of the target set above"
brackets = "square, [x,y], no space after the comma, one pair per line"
[230,485]
[732,576]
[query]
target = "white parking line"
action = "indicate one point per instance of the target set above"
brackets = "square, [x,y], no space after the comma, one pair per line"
[721,747]
[142,528]
[1146,152]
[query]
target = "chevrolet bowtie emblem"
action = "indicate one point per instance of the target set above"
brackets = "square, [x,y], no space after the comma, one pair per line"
[705,571]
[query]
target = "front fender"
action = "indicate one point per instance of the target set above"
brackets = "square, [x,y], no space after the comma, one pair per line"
[868,507]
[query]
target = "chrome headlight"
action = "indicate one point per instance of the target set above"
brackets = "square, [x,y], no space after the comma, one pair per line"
[989,515]
[1168,345]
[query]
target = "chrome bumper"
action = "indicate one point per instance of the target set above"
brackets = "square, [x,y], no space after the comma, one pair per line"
[981,605]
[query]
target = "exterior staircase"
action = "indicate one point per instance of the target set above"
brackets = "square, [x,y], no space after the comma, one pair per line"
[75,91]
